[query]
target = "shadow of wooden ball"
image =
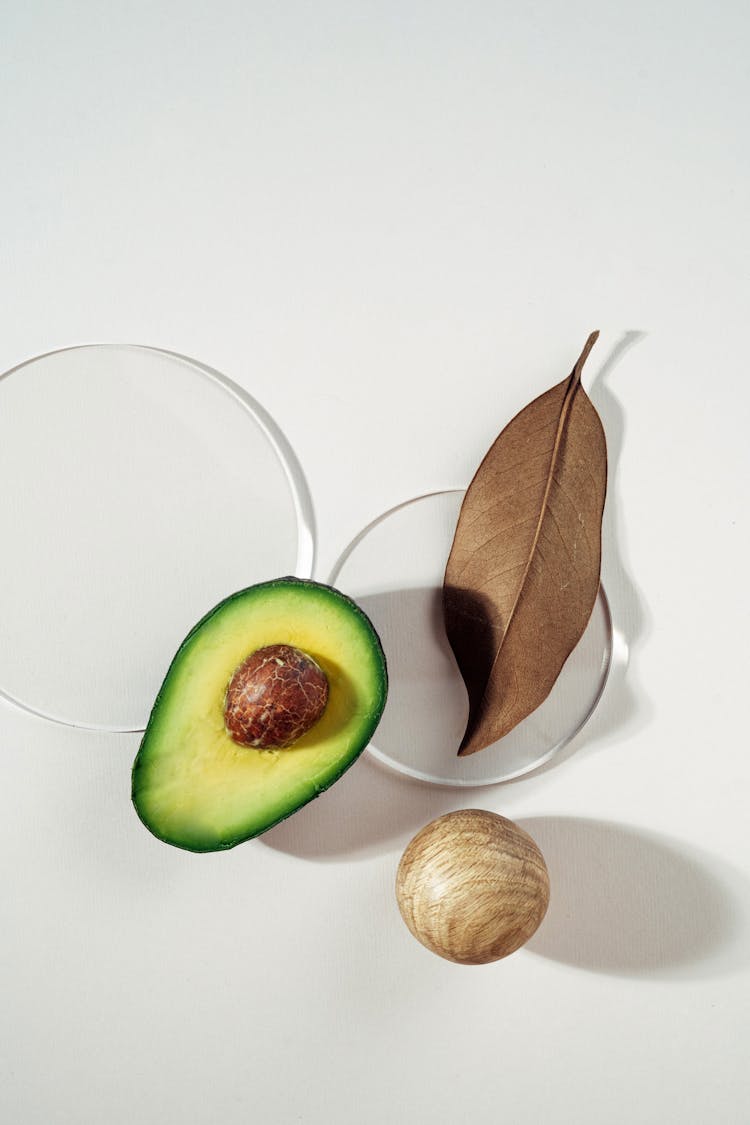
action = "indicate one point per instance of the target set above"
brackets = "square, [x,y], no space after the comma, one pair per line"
[472,887]
[633,903]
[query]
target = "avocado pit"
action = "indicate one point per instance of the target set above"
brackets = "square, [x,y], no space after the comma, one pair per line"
[274,697]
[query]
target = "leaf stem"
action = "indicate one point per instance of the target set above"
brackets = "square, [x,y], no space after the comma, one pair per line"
[575,375]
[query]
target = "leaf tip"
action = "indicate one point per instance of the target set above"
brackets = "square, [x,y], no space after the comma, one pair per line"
[469,745]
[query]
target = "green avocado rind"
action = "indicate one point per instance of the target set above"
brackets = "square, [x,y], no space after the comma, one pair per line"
[306,790]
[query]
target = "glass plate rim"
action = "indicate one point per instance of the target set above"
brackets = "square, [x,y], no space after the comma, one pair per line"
[450,783]
[295,476]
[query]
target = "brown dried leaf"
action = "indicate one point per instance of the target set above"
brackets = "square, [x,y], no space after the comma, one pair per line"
[523,572]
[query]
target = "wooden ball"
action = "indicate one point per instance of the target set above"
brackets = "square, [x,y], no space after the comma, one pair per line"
[472,886]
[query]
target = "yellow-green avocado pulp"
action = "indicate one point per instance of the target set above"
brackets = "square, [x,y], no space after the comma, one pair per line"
[196,788]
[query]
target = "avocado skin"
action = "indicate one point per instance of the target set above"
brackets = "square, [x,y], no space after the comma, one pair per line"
[364,735]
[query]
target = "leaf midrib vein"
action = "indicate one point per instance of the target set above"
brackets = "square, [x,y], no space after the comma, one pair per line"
[570,392]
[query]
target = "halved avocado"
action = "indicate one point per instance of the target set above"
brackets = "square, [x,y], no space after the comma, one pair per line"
[196,788]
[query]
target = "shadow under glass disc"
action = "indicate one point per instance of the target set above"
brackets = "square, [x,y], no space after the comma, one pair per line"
[394,569]
[139,488]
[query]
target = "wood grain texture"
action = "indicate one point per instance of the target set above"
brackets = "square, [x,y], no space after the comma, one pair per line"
[523,572]
[472,886]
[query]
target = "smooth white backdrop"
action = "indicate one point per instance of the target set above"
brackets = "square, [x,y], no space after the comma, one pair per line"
[394,224]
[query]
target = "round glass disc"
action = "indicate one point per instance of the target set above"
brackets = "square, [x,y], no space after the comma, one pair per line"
[394,569]
[139,488]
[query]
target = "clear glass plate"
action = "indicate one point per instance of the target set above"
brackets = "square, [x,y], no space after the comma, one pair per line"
[394,569]
[139,488]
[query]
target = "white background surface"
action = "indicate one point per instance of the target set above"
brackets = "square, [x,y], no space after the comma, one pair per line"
[394,224]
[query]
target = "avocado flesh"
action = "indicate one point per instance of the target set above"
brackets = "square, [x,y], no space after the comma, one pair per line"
[196,788]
